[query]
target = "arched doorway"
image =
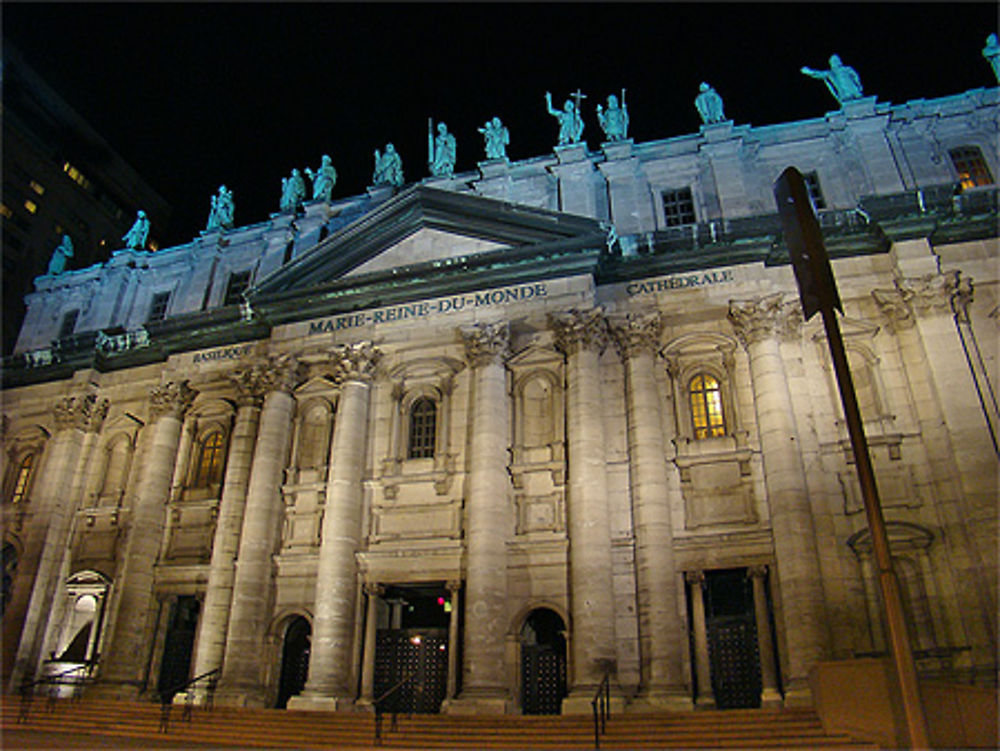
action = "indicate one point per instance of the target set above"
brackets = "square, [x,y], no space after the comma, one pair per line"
[294,660]
[543,662]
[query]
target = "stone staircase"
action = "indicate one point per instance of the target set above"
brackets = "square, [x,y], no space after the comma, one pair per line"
[270,728]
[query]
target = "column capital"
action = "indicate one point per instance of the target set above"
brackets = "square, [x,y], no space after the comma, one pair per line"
[580,329]
[453,585]
[373,589]
[634,333]
[893,305]
[251,386]
[486,343]
[172,398]
[84,412]
[279,373]
[694,577]
[354,362]
[931,293]
[763,318]
[757,572]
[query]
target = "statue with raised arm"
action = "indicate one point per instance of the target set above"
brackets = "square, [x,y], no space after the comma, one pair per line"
[497,137]
[614,119]
[323,179]
[709,105]
[293,192]
[442,152]
[57,264]
[570,122]
[992,54]
[135,238]
[388,167]
[221,215]
[842,81]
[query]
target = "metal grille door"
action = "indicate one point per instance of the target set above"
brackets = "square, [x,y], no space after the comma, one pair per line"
[543,671]
[399,653]
[732,648]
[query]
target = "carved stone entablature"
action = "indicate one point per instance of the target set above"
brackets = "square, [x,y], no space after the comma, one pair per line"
[172,398]
[763,318]
[579,329]
[486,343]
[84,412]
[355,362]
[636,332]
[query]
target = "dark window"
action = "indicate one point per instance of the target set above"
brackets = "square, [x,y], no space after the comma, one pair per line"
[235,287]
[158,307]
[678,207]
[706,407]
[211,457]
[973,172]
[423,425]
[68,324]
[815,194]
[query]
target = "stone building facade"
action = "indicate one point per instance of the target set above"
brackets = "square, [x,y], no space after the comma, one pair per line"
[465,432]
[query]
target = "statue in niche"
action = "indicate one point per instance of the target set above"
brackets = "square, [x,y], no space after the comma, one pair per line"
[221,215]
[135,238]
[57,264]
[441,150]
[992,54]
[323,179]
[709,105]
[842,81]
[570,122]
[388,167]
[497,137]
[293,193]
[614,119]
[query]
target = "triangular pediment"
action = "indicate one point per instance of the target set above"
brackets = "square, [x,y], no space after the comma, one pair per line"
[425,229]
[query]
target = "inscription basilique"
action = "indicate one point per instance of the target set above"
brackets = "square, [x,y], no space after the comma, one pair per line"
[226,353]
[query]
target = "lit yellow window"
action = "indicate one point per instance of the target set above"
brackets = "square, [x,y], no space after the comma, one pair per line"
[31,206]
[5,211]
[973,172]
[23,476]
[39,189]
[706,407]
[210,460]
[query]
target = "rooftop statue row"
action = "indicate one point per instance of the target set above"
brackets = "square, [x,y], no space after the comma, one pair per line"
[293,189]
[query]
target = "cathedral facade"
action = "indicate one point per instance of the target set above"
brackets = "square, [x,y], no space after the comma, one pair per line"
[499,434]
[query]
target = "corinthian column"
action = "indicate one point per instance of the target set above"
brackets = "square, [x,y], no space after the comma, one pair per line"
[253,580]
[251,386]
[758,324]
[330,659]
[77,419]
[124,670]
[581,335]
[488,523]
[662,644]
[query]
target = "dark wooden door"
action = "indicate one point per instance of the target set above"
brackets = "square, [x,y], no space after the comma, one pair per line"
[182,624]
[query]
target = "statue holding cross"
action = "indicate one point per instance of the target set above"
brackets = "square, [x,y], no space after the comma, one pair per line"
[570,122]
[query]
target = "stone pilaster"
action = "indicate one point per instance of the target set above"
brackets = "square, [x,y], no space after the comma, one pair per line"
[758,324]
[253,580]
[372,594]
[488,523]
[214,621]
[703,676]
[582,335]
[765,641]
[78,419]
[661,637]
[124,669]
[330,660]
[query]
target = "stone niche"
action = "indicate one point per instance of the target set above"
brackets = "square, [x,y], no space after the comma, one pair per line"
[97,539]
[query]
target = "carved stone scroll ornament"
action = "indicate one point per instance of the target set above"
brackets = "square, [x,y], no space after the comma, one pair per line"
[893,305]
[636,332]
[172,398]
[83,412]
[579,329]
[280,373]
[486,342]
[251,385]
[355,362]
[763,318]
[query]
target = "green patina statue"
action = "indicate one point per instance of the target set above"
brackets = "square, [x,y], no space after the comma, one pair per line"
[221,215]
[497,137]
[323,179]
[293,192]
[135,238]
[709,105]
[441,151]
[570,122]
[60,255]
[614,119]
[992,54]
[842,81]
[388,167]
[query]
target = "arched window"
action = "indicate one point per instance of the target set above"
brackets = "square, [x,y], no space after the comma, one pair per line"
[211,458]
[423,428]
[23,478]
[706,407]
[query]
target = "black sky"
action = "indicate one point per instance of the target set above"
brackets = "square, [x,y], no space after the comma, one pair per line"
[195,95]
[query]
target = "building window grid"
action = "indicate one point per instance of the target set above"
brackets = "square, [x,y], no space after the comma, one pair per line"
[68,324]
[235,287]
[707,417]
[158,306]
[973,172]
[815,192]
[678,207]
[210,460]
[20,489]
[423,429]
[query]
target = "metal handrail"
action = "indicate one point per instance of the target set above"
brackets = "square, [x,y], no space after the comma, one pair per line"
[27,693]
[167,697]
[601,704]
[380,702]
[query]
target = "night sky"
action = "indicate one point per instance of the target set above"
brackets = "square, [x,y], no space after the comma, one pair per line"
[196,95]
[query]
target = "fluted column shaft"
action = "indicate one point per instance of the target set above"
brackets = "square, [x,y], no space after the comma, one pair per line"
[124,668]
[758,324]
[254,572]
[661,638]
[78,418]
[330,659]
[214,620]
[487,515]
[581,335]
